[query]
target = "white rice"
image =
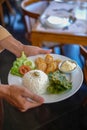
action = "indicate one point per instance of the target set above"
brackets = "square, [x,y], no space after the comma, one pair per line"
[36,81]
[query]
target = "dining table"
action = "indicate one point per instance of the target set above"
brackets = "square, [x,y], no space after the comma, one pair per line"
[49,116]
[72,31]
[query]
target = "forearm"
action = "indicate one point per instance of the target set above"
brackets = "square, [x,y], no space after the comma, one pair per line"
[12,45]
[3,33]
[7,41]
[3,90]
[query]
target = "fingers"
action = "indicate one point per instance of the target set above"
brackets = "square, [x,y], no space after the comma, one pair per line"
[45,51]
[30,105]
[32,96]
[26,104]
[37,98]
[29,100]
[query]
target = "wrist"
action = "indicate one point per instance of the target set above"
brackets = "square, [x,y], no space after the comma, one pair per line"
[12,45]
[4,90]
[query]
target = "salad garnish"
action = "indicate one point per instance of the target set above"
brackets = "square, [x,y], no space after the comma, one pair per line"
[22,65]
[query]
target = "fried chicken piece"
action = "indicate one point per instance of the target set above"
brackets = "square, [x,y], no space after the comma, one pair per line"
[39,60]
[52,67]
[48,64]
[48,59]
[57,61]
[42,66]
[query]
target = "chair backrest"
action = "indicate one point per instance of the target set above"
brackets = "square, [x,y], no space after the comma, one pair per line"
[2,12]
[83,52]
[32,9]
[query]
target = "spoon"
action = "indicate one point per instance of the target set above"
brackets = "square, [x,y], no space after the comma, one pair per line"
[69,10]
[71,21]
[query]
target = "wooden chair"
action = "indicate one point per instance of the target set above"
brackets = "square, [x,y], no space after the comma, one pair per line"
[2,12]
[83,52]
[32,9]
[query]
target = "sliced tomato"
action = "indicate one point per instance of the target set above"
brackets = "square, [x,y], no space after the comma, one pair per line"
[24,69]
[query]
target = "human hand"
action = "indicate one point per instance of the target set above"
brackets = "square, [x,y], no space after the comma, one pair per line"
[16,47]
[33,50]
[18,96]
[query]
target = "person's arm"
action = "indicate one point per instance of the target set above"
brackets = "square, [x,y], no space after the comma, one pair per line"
[3,33]
[14,94]
[12,45]
[8,42]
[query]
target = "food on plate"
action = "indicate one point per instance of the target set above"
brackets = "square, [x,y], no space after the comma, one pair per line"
[24,69]
[23,64]
[52,67]
[40,64]
[41,75]
[36,81]
[19,65]
[39,60]
[29,63]
[47,64]
[67,66]
[58,83]
[49,59]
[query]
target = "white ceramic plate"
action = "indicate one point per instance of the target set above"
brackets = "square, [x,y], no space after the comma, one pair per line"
[54,22]
[76,78]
